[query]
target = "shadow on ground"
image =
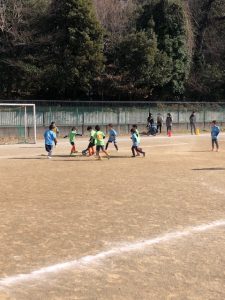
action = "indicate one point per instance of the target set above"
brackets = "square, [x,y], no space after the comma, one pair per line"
[209,169]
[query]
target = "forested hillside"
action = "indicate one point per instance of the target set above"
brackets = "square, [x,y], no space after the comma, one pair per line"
[113,49]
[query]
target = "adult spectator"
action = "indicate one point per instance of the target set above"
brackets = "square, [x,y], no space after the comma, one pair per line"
[150,120]
[169,122]
[159,123]
[193,122]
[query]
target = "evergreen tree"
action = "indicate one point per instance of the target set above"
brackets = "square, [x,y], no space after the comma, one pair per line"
[166,19]
[73,56]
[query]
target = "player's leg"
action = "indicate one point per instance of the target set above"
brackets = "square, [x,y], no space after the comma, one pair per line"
[133,149]
[104,151]
[107,145]
[217,145]
[213,142]
[48,148]
[98,151]
[73,149]
[140,151]
[115,145]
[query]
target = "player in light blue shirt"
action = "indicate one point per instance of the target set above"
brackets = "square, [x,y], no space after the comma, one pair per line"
[135,143]
[215,130]
[50,140]
[112,137]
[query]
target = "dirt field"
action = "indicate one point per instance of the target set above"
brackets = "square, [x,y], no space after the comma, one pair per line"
[124,228]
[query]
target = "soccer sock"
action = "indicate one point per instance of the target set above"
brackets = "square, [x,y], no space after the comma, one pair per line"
[93,151]
[106,147]
[116,147]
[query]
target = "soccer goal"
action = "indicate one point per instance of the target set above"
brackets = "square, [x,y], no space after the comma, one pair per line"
[17,123]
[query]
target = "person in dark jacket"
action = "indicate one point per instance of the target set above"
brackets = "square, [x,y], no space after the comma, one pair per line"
[192,119]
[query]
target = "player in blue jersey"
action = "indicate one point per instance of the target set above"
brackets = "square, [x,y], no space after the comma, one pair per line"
[112,137]
[215,130]
[50,140]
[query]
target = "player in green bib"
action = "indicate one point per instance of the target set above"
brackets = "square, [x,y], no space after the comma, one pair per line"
[92,142]
[72,137]
[100,143]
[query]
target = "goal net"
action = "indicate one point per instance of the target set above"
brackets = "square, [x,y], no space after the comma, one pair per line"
[17,123]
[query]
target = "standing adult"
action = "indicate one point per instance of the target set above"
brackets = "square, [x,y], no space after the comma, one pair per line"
[193,122]
[159,123]
[169,122]
[150,120]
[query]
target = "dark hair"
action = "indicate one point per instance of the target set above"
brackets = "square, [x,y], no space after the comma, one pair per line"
[97,127]
[89,128]
[134,126]
[110,125]
[53,122]
[132,130]
[51,127]
[214,121]
[73,128]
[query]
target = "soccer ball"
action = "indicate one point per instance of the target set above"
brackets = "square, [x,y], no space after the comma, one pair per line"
[84,153]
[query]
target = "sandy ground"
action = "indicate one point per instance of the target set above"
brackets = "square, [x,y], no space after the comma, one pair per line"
[65,209]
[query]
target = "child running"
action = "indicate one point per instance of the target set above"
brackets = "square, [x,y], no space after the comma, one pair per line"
[134,126]
[135,143]
[99,137]
[72,137]
[215,130]
[92,142]
[112,137]
[50,139]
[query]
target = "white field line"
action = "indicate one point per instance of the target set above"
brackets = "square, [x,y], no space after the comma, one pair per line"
[124,248]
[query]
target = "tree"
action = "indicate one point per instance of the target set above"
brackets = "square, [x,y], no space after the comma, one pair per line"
[168,20]
[73,55]
[17,44]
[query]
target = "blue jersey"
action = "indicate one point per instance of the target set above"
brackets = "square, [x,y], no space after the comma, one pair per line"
[215,130]
[112,135]
[135,139]
[49,136]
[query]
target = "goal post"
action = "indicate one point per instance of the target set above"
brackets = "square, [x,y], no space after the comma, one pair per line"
[18,123]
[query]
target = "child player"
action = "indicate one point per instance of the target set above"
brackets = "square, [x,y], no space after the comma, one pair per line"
[55,129]
[72,136]
[135,143]
[50,139]
[112,137]
[99,137]
[92,142]
[215,130]
[138,136]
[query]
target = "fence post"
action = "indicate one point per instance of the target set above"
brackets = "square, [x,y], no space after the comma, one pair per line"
[204,116]
[178,115]
[118,119]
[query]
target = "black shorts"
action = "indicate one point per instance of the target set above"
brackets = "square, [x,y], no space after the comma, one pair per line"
[48,148]
[99,147]
[72,143]
[90,145]
[112,141]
